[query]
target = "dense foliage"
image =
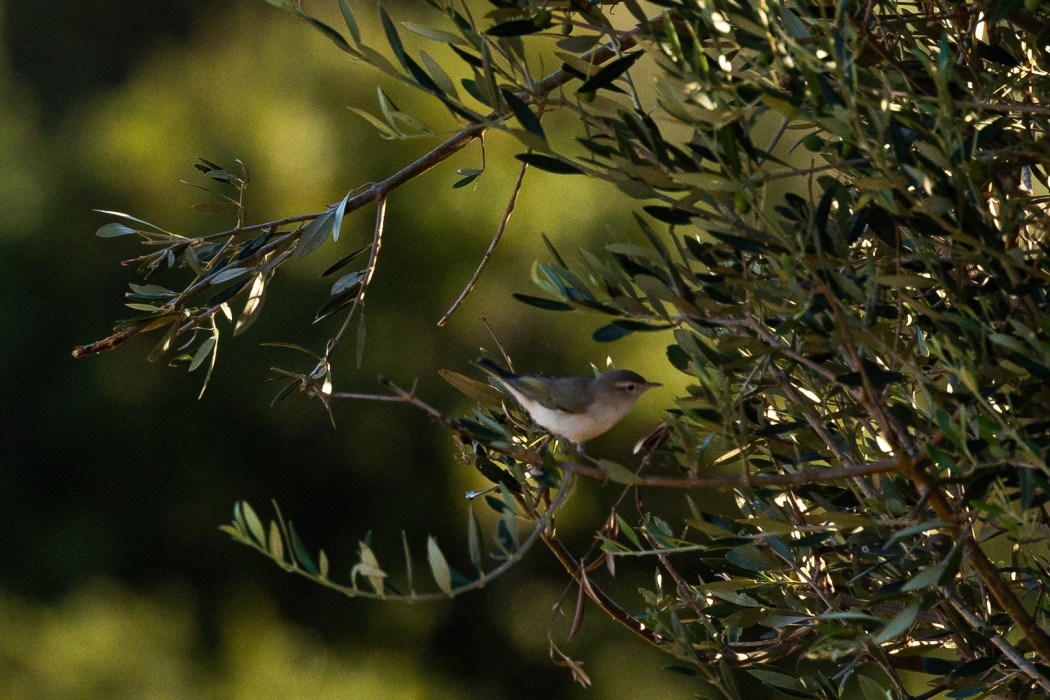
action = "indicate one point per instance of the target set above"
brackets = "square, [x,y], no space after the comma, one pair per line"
[841,231]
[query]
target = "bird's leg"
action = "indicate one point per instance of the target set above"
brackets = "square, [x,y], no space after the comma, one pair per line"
[536,471]
[581,453]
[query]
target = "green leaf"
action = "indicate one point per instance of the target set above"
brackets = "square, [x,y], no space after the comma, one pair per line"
[369,567]
[898,624]
[929,576]
[609,72]
[392,37]
[439,75]
[350,281]
[523,114]
[474,540]
[438,35]
[322,564]
[795,28]
[870,689]
[550,164]
[129,217]
[384,130]
[439,567]
[541,303]
[618,329]
[618,473]
[336,303]
[775,678]
[470,59]
[114,230]
[345,260]
[299,552]
[335,37]
[469,176]
[228,274]
[253,305]
[337,217]
[915,529]
[668,215]
[255,526]
[472,388]
[275,544]
[229,293]
[351,23]
[515,27]
[314,234]
[202,353]
[751,558]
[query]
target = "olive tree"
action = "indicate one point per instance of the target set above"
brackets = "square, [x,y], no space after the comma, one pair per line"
[841,232]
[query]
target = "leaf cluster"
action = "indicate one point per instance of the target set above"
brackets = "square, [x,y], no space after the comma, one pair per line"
[842,235]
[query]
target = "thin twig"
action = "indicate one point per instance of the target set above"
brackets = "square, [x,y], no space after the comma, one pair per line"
[723,481]
[608,606]
[421,165]
[373,258]
[1009,650]
[492,246]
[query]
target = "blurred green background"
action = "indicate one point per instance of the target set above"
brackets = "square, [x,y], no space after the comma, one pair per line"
[115,581]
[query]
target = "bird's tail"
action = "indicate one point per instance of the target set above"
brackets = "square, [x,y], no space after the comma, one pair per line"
[492,368]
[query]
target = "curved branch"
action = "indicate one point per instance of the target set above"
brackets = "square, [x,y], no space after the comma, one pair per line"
[541,525]
[811,476]
[411,171]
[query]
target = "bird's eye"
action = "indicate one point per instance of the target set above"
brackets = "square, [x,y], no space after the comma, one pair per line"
[629,387]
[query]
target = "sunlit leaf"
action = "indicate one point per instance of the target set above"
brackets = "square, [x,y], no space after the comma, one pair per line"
[439,567]
[479,391]
[114,230]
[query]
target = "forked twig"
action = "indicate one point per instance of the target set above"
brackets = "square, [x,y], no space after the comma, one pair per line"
[491,249]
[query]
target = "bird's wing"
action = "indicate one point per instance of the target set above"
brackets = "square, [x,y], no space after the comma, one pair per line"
[570,396]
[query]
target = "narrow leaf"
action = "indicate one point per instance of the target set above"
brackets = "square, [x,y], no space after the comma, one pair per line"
[617,472]
[343,261]
[255,526]
[523,114]
[541,303]
[898,624]
[275,545]
[337,217]
[609,72]
[299,552]
[474,540]
[439,567]
[129,217]
[472,388]
[514,27]
[550,164]
[113,230]
[438,35]
[313,234]
[335,37]
[202,353]
[351,23]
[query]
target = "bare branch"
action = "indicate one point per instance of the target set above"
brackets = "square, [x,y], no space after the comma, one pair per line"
[492,246]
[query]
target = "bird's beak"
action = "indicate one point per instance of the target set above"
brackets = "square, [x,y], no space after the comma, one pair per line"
[652,385]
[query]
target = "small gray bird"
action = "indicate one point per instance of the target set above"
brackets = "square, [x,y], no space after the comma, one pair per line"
[575,408]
